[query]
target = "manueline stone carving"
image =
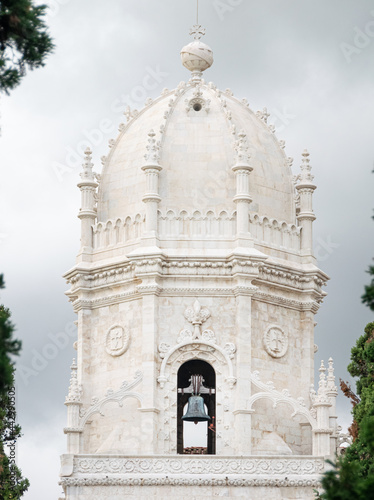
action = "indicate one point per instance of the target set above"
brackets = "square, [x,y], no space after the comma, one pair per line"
[117,340]
[275,341]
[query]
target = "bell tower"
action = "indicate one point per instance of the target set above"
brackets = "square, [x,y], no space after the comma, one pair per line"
[195,290]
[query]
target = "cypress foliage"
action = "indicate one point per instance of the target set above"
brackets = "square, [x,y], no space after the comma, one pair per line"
[12,484]
[368,297]
[352,476]
[24,40]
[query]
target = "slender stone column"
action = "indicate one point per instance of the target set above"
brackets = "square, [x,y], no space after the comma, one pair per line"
[73,403]
[87,213]
[306,216]
[332,393]
[322,405]
[152,197]
[242,198]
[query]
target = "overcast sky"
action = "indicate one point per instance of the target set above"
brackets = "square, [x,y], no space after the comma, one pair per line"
[311,63]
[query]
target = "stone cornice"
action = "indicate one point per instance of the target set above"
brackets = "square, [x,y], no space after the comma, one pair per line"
[79,304]
[299,305]
[141,275]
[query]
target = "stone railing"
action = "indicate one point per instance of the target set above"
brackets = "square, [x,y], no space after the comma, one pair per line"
[197,225]
[117,232]
[275,233]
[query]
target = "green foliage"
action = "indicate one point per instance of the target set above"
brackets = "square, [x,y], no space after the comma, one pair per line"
[24,40]
[12,484]
[8,347]
[345,480]
[368,297]
[362,366]
[352,477]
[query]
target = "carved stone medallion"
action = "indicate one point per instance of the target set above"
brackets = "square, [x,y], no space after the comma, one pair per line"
[275,341]
[117,340]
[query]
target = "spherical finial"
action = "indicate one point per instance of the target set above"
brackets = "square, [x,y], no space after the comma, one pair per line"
[197,56]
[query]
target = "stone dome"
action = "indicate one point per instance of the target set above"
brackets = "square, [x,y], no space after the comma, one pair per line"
[196,127]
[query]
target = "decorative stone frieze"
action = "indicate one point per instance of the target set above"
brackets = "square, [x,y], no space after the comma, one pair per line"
[277,466]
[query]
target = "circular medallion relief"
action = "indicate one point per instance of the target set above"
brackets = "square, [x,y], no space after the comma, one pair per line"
[276,341]
[117,340]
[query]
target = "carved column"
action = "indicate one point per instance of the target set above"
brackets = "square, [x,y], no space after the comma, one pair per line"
[244,291]
[87,213]
[332,393]
[73,403]
[152,197]
[322,405]
[242,198]
[306,216]
[149,290]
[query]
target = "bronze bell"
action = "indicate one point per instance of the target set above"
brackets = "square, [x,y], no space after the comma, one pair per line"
[196,411]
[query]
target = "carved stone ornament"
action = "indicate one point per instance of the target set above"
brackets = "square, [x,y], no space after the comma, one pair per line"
[117,340]
[163,470]
[275,341]
[197,315]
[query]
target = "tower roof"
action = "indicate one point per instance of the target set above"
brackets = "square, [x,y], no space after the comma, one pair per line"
[197,128]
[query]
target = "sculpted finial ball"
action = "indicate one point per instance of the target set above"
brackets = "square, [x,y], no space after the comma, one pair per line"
[197,56]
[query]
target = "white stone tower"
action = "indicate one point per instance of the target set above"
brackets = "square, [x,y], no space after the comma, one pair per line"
[196,259]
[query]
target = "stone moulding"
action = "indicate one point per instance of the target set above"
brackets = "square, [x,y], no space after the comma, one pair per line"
[88,470]
[166,481]
[195,349]
[274,274]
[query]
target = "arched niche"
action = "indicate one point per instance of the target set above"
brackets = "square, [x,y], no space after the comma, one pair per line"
[186,370]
